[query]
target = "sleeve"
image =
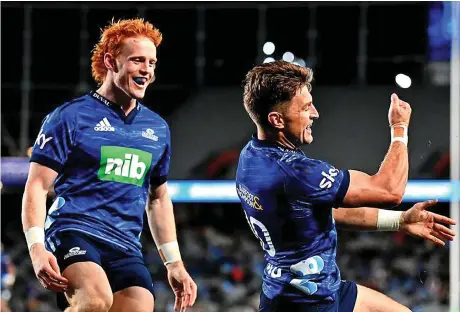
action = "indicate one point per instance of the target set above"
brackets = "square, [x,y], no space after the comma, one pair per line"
[54,141]
[316,181]
[161,170]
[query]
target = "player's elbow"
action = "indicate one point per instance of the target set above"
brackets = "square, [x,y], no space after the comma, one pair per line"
[395,195]
[391,194]
[394,198]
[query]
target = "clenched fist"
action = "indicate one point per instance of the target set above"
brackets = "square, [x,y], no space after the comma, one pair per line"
[399,112]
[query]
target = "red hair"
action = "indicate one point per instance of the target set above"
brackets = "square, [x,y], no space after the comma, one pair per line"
[112,37]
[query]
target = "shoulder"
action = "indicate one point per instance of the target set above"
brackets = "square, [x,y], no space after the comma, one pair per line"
[68,110]
[157,127]
[160,124]
[295,164]
[153,115]
[265,154]
[295,159]
[260,163]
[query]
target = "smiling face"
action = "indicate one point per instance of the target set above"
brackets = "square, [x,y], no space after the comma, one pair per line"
[133,70]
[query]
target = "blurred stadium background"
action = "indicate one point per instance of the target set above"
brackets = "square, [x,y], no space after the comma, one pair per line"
[356,50]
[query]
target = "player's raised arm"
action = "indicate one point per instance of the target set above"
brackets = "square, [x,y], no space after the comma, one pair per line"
[387,186]
[46,269]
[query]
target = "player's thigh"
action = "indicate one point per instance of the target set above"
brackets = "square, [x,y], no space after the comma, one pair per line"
[369,300]
[133,299]
[131,284]
[88,286]
[79,259]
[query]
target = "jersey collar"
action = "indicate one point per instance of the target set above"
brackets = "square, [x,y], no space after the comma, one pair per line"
[116,108]
[266,143]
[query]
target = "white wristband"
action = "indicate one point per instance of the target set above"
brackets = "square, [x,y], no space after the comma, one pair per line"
[404,139]
[388,220]
[169,252]
[35,235]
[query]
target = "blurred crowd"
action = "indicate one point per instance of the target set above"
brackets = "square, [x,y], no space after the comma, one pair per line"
[226,262]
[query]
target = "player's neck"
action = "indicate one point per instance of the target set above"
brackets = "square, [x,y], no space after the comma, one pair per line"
[275,137]
[118,97]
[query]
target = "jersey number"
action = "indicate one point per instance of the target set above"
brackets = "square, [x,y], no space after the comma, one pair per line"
[266,241]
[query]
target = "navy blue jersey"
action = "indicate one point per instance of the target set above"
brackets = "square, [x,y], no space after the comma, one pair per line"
[288,199]
[105,163]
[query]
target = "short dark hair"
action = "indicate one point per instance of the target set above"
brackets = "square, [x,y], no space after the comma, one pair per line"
[269,85]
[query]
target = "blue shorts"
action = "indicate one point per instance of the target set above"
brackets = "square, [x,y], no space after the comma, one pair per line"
[123,269]
[346,296]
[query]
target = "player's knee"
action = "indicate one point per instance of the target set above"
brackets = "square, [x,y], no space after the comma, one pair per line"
[133,299]
[95,301]
[148,304]
[98,304]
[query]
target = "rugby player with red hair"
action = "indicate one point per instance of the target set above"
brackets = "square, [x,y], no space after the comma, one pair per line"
[108,157]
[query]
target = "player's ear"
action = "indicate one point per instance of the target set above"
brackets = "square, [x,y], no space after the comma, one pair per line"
[110,62]
[276,120]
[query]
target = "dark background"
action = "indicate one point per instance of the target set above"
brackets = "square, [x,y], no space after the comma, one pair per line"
[355,49]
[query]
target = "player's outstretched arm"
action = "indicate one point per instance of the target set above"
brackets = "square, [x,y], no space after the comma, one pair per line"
[160,216]
[387,186]
[416,221]
[425,224]
[46,269]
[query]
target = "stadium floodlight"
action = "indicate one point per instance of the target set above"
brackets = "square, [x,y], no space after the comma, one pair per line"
[288,57]
[300,62]
[269,48]
[269,59]
[403,81]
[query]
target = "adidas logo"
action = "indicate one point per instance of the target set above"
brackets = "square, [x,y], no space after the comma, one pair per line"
[104,125]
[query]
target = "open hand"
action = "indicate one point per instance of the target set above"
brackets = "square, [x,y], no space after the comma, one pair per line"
[425,224]
[183,286]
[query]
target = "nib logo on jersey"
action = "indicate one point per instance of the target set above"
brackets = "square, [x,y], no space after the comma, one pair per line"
[124,165]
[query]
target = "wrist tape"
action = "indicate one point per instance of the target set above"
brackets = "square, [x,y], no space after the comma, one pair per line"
[404,139]
[169,252]
[388,220]
[35,235]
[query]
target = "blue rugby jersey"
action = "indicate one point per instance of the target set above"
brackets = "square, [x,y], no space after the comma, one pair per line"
[105,162]
[288,199]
